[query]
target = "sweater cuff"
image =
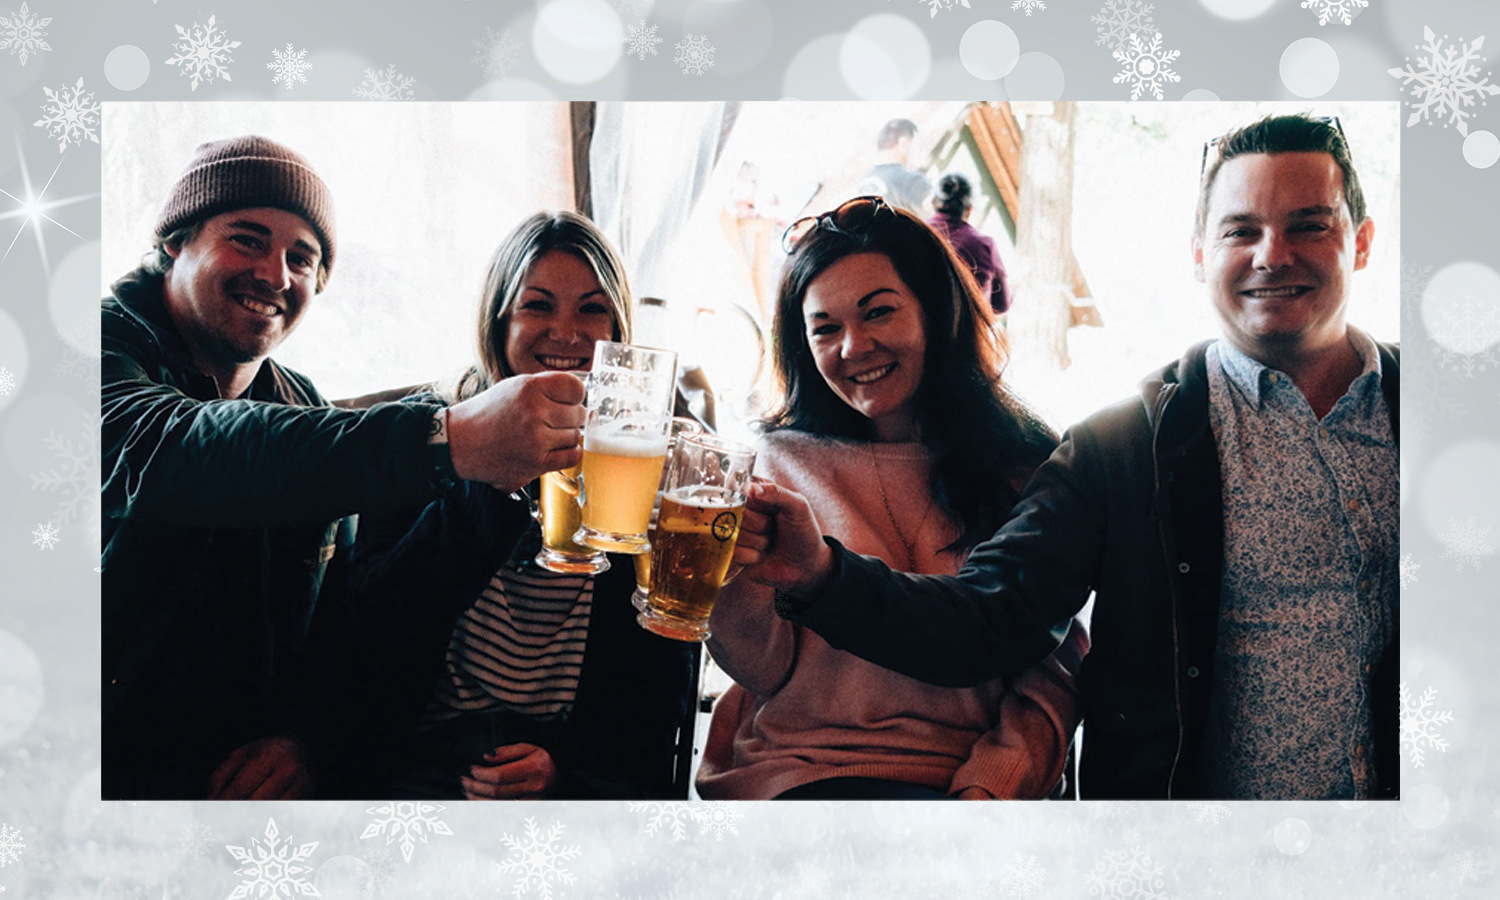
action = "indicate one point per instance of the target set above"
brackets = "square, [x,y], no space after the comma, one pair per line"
[789,605]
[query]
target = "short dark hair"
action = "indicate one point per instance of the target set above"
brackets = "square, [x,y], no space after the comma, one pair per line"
[158,261]
[1297,133]
[985,438]
[954,195]
[893,131]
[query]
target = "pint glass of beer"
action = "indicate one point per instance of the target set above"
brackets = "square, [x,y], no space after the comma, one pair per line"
[680,426]
[696,529]
[625,434]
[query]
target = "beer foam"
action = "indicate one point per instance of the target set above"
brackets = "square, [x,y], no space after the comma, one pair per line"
[704,497]
[618,442]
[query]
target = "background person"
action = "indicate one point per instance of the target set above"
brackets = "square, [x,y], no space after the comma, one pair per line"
[897,429]
[227,479]
[954,201]
[501,679]
[891,177]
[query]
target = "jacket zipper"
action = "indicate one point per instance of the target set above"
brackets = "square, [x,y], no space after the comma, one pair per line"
[1168,392]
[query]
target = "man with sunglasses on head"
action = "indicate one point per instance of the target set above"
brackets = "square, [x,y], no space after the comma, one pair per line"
[1237,524]
[228,481]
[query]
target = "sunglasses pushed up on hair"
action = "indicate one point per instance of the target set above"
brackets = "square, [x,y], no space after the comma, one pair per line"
[852,217]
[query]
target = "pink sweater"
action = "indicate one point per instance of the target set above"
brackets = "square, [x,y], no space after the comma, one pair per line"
[801,711]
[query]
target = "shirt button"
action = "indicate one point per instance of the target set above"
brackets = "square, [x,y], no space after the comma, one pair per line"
[1273,378]
[1369,668]
[1364,585]
[1360,751]
[1353,505]
[1322,432]
[1192,671]
[1184,568]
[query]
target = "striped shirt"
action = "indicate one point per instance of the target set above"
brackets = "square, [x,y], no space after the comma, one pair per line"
[520,646]
[1310,592]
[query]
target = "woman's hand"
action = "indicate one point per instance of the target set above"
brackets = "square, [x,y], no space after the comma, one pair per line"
[780,542]
[515,772]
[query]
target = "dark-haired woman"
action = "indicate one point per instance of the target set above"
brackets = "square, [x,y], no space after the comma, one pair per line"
[954,200]
[897,430]
[505,680]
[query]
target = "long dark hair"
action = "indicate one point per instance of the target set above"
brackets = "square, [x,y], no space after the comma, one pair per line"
[534,238]
[986,440]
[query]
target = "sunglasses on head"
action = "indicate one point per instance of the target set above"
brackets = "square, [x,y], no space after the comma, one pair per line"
[851,217]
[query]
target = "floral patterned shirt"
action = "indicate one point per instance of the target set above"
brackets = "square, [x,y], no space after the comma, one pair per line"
[1310,589]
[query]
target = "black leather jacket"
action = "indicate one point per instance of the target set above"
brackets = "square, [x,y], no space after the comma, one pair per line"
[1129,507]
[220,521]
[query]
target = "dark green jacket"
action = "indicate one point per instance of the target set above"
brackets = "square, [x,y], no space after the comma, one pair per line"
[221,521]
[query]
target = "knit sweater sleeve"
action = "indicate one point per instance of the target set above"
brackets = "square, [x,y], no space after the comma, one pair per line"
[750,642]
[1023,755]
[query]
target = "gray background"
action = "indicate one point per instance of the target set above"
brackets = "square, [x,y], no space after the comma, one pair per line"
[1437,842]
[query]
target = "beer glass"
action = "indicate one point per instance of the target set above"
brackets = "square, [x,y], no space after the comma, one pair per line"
[680,426]
[699,522]
[625,433]
[560,515]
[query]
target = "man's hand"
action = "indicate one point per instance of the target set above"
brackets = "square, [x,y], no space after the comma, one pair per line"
[517,772]
[277,768]
[518,429]
[780,542]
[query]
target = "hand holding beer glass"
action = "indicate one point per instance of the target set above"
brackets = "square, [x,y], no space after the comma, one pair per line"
[628,420]
[560,515]
[699,521]
[680,426]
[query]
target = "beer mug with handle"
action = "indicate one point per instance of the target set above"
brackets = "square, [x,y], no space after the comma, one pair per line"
[625,434]
[680,426]
[699,522]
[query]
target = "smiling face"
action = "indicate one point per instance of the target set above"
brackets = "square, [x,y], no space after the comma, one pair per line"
[239,286]
[867,334]
[559,314]
[1278,252]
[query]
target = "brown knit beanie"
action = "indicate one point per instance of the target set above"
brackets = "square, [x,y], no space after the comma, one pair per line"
[245,172]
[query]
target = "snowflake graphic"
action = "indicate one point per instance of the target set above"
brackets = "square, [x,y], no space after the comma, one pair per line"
[271,868]
[1444,81]
[1414,279]
[1467,333]
[78,364]
[1146,66]
[935,5]
[385,84]
[379,871]
[24,32]
[1117,20]
[1419,723]
[717,816]
[1286,881]
[695,55]
[203,52]
[11,844]
[672,813]
[197,838]
[76,477]
[1465,866]
[69,115]
[1106,810]
[1465,544]
[7,381]
[289,66]
[499,52]
[1022,877]
[641,39]
[1409,569]
[1344,9]
[1028,5]
[45,536]
[410,820]
[1127,875]
[1209,813]
[537,860]
[1131,837]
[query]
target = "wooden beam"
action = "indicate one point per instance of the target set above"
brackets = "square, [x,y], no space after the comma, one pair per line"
[998,137]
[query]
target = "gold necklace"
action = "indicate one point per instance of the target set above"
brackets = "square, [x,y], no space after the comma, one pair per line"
[909,544]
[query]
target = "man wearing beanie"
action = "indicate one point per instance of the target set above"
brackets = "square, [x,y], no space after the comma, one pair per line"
[230,484]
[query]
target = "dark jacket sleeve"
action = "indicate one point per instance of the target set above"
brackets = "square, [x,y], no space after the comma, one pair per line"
[1006,609]
[172,459]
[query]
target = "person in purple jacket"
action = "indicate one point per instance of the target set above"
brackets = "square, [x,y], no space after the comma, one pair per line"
[953,201]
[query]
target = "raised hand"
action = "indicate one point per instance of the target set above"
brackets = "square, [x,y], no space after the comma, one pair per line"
[518,429]
[780,542]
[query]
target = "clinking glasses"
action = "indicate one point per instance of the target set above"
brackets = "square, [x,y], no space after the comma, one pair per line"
[851,217]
